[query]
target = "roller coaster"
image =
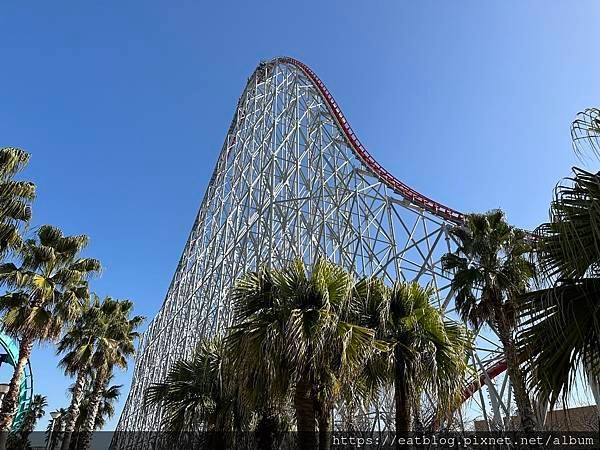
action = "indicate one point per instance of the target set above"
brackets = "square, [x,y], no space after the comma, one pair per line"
[293,180]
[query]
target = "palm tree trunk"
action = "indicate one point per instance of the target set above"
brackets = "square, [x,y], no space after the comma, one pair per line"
[324,419]
[9,402]
[517,378]
[90,420]
[403,419]
[73,412]
[305,415]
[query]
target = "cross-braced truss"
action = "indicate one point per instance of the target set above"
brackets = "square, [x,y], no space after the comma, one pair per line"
[293,181]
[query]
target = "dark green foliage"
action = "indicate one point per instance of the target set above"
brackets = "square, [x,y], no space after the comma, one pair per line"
[561,329]
[15,199]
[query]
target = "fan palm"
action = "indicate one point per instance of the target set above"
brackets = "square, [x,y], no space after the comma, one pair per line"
[78,347]
[48,288]
[106,410]
[429,354]
[292,324]
[562,320]
[20,439]
[195,393]
[36,411]
[490,270]
[15,197]
[114,344]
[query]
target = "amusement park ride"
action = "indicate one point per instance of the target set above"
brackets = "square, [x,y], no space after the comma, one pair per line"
[9,353]
[294,181]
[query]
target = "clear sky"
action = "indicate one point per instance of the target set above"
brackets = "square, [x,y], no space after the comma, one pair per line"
[124,107]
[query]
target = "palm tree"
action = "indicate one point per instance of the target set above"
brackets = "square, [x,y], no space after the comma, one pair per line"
[429,354]
[47,290]
[110,394]
[204,392]
[490,271]
[15,197]
[114,344]
[20,439]
[291,323]
[196,392]
[78,346]
[36,411]
[106,410]
[561,328]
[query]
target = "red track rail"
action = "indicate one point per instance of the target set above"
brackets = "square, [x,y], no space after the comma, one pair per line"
[407,192]
[398,186]
[491,373]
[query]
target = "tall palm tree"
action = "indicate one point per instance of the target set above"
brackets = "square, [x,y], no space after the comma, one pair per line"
[15,198]
[490,271]
[561,328]
[47,290]
[429,354]
[77,345]
[106,410]
[36,411]
[292,322]
[197,394]
[115,343]
[20,439]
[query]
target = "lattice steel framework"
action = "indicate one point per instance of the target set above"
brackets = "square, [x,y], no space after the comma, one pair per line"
[293,181]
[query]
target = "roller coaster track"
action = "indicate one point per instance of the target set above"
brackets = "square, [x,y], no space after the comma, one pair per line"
[407,192]
[399,187]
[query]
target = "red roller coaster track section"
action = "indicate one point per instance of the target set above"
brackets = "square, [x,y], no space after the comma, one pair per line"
[407,192]
[490,373]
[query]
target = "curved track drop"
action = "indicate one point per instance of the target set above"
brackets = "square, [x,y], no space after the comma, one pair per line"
[293,180]
[10,352]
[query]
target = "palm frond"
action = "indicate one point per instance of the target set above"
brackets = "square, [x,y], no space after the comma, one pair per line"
[569,245]
[560,333]
[585,132]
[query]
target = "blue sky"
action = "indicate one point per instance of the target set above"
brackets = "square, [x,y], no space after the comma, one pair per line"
[124,107]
